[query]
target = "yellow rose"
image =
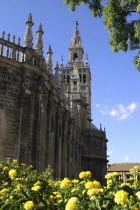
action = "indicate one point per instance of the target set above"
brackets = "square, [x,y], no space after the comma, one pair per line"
[82,175]
[73,199]
[65,183]
[96,184]
[29,205]
[51,198]
[5,168]
[71,206]
[93,191]
[136,167]
[12,173]
[36,188]
[89,185]
[138,195]
[121,197]
[3,191]
[88,174]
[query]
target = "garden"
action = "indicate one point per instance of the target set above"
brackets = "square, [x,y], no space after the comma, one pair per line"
[23,188]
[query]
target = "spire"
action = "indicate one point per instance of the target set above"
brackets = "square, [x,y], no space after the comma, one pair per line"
[56,75]
[28,37]
[49,59]
[76,39]
[61,64]
[39,42]
[76,50]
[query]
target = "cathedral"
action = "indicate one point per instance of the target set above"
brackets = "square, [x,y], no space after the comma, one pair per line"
[45,113]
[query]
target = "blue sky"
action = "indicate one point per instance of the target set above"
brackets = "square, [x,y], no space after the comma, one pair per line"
[115,82]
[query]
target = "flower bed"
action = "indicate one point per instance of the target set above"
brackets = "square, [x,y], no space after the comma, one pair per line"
[21,188]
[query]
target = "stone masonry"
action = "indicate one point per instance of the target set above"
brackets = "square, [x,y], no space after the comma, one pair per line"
[45,117]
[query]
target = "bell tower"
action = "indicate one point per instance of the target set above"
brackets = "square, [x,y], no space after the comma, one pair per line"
[77,79]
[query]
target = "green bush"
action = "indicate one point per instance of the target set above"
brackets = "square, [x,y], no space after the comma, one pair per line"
[22,188]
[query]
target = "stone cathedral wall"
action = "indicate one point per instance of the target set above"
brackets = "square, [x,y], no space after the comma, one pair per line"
[35,125]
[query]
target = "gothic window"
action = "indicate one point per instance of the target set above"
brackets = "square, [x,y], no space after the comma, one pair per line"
[84,78]
[68,79]
[75,57]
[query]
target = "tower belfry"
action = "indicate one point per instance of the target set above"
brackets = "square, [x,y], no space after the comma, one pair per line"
[77,77]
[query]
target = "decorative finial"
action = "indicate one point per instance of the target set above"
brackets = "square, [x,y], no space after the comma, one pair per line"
[57,65]
[56,75]
[14,37]
[3,34]
[28,36]
[61,64]
[8,37]
[76,24]
[19,41]
[49,59]
[39,42]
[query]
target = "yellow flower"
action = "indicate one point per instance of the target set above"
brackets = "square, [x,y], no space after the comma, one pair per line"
[111,175]
[132,170]
[37,183]
[136,167]
[11,197]
[83,182]
[83,192]
[14,161]
[73,199]
[93,197]
[1,166]
[138,195]
[36,188]
[5,184]
[5,168]
[51,198]
[88,174]
[89,185]
[96,184]
[125,184]
[93,191]
[74,189]
[65,183]
[12,173]
[121,197]
[75,181]
[82,175]
[29,205]
[71,206]
[23,164]
[3,191]
[109,182]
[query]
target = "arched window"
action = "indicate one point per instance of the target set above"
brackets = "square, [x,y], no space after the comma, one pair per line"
[75,57]
[84,78]
[68,79]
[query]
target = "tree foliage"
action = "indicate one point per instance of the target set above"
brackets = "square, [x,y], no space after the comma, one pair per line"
[121,18]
